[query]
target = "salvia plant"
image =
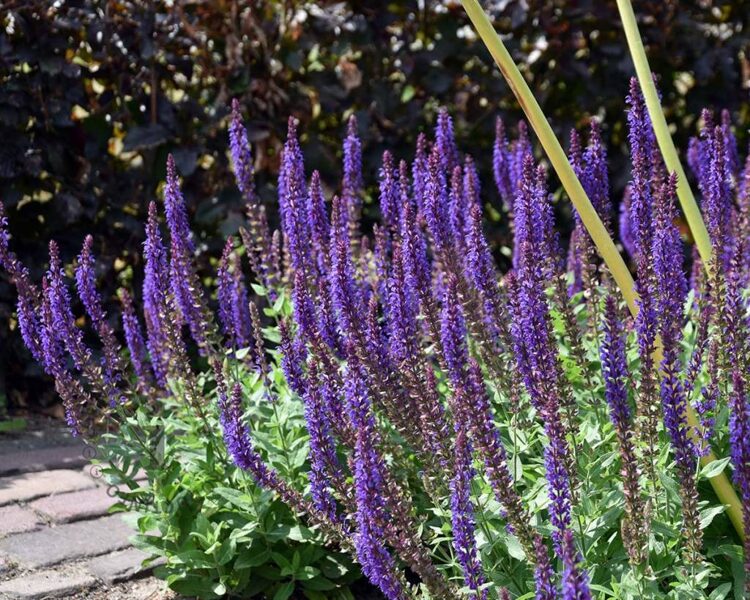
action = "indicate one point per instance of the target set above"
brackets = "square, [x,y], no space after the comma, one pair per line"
[457,431]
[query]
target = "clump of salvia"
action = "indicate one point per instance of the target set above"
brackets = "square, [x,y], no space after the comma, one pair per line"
[410,334]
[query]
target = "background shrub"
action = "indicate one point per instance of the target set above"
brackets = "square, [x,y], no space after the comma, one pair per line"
[94,96]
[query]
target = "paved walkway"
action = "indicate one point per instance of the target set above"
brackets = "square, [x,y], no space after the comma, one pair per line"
[57,539]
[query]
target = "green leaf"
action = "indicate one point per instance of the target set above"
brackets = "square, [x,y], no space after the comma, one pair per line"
[714,468]
[284,591]
[721,592]
[407,93]
[252,558]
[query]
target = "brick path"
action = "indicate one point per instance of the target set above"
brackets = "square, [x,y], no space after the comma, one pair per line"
[57,539]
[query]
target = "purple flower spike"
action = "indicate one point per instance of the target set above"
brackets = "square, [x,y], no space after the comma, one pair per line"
[671,294]
[242,159]
[389,192]
[346,294]
[234,313]
[320,227]
[156,299]
[462,517]
[7,259]
[86,284]
[293,355]
[616,383]
[596,177]
[575,584]
[642,143]
[352,184]
[715,187]
[62,313]
[436,204]
[135,342]
[73,396]
[292,191]
[453,333]
[369,482]
[626,231]
[543,573]
[501,165]
[420,172]
[324,465]
[445,142]
[28,317]
[521,150]
[185,283]
[28,295]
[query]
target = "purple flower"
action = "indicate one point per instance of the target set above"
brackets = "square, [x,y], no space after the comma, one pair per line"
[320,226]
[445,142]
[135,342]
[347,299]
[479,269]
[462,516]
[670,302]
[420,172]
[258,238]
[292,193]
[185,284]
[543,574]
[86,284]
[457,208]
[293,354]
[157,302]
[520,152]
[29,322]
[535,348]
[62,314]
[595,176]
[642,143]
[370,489]
[436,204]
[324,465]
[626,232]
[616,383]
[453,333]
[575,584]
[400,312]
[234,313]
[242,159]
[74,398]
[714,183]
[28,295]
[352,183]
[501,165]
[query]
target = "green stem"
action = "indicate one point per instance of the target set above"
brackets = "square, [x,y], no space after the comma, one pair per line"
[588,214]
[661,129]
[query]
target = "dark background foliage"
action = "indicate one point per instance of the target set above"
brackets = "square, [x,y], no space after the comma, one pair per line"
[94,94]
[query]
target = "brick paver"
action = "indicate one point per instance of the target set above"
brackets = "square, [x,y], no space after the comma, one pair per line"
[45,584]
[17,519]
[74,506]
[43,459]
[71,541]
[118,566]
[20,488]
[56,538]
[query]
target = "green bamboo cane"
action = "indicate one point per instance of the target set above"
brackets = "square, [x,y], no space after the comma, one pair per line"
[661,129]
[586,211]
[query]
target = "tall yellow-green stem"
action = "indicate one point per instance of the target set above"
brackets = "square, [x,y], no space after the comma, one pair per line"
[661,129]
[588,214]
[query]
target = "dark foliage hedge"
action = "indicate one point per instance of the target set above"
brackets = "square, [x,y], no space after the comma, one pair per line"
[94,94]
